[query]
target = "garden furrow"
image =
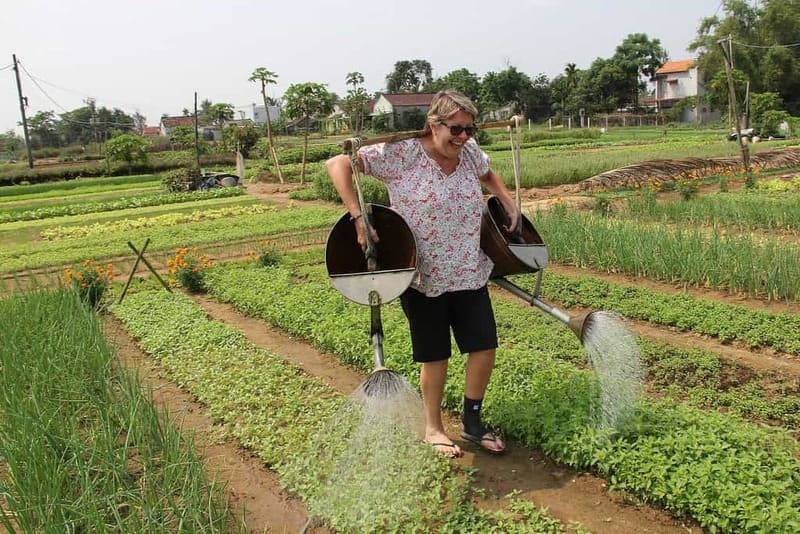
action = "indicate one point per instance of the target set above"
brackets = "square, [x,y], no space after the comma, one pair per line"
[254,493]
[664,455]
[287,418]
[568,495]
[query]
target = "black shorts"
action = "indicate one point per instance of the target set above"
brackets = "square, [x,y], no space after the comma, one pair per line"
[469,313]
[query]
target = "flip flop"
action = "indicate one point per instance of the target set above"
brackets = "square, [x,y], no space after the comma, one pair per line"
[479,441]
[455,450]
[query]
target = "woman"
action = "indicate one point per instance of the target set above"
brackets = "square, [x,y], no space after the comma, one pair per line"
[434,183]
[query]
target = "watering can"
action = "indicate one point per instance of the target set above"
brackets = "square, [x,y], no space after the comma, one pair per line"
[519,252]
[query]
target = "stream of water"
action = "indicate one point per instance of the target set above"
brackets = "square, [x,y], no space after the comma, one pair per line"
[614,355]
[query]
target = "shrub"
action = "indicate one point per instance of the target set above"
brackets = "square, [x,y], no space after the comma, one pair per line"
[129,148]
[264,254]
[374,190]
[90,281]
[687,186]
[188,269]
[314,153]
[179,180]
[483,138]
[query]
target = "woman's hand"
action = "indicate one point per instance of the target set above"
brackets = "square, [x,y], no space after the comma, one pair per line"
[510,208]
[361,234]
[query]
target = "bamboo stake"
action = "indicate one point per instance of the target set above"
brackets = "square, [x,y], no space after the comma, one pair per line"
[349,144]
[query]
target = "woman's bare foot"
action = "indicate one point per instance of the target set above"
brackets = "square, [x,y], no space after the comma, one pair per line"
[442,444]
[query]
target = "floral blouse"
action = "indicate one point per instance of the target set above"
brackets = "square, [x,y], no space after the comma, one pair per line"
[443,211]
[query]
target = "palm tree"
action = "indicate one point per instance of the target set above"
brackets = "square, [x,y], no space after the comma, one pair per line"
[571,71]
[355,79]
[356,101]
[266,77]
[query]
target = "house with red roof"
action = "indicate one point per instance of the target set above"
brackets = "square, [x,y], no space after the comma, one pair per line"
[403,110]
[673,82]
[168,124]
[151,131]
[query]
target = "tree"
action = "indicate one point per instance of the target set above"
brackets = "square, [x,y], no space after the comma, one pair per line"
[240,138]
[90,123]
[638,56]
[355,103]
[566,98]
[267,77]
[128,148]
[604,87]
[755,38]
[203,116]
[139,122]
[10,142]
[538,100]
[355,79]
[409,76]
[304,100]
[76,126]
[184,136]
[461,80]
[43,130]
[219,113]
[506,87]
[571,73]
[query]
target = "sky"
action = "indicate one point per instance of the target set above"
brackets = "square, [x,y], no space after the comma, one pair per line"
[150,56]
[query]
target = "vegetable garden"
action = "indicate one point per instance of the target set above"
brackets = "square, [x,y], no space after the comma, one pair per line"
[711,447]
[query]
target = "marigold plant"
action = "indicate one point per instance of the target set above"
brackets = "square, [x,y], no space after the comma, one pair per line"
[687,185]
[187,268]
[264,254]
[91,280]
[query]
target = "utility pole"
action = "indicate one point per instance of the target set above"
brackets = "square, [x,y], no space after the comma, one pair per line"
[726,53]
[196,134]
[23,101]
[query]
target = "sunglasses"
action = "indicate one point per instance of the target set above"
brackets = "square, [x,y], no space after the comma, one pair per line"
[456,129]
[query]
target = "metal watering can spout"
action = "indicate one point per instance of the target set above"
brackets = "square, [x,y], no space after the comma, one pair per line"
[575,323]
[578,324]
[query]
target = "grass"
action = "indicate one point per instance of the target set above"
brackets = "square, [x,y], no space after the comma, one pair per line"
[32,255]
[83,448]
[740,210]
[761,266]
[79,186]
[22,233]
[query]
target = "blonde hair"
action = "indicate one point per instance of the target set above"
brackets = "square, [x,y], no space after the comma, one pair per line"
[447,103]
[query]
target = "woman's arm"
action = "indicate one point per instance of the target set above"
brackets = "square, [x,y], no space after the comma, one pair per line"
[341,173]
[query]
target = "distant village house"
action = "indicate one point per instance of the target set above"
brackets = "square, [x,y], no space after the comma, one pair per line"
[677,80]
[402,108]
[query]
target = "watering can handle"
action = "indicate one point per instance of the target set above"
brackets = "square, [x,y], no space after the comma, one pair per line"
[370,252]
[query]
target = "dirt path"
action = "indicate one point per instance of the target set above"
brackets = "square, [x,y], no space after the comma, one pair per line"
[254,492]
[569,495]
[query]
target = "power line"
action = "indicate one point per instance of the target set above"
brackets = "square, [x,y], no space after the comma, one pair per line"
[745,45]
[35,81]
[66,119]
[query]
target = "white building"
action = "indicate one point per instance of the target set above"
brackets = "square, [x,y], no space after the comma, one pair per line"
[259,117]
[677,80]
